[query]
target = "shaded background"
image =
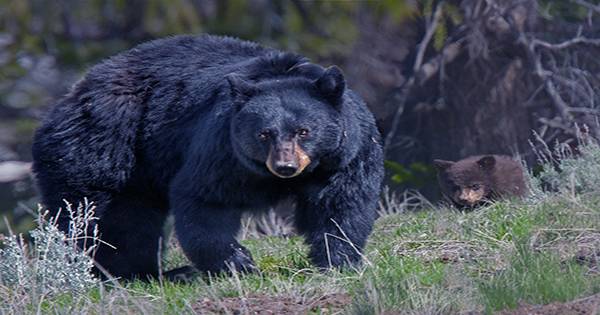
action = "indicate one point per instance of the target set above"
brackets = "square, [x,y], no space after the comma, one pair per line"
[445,79]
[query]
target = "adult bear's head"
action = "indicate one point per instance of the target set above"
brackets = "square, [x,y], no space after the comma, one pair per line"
[285,124]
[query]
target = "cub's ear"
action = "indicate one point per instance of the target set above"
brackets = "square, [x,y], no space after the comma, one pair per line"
[442,165]
[332,84]
[487,162]
[241,90]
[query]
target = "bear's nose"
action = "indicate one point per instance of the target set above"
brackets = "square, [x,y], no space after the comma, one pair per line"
[285,169]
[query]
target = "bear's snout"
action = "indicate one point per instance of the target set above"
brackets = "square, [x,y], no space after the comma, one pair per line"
[470,197]
[286,169]
[287,159]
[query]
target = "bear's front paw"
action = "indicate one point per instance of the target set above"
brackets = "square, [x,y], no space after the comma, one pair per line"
[241,259]
[185,274]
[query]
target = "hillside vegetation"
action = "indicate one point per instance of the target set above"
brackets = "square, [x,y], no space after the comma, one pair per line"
[504,256]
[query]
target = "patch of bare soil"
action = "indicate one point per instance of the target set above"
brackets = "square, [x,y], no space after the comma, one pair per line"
[445,251]
[586,306]
[258,304]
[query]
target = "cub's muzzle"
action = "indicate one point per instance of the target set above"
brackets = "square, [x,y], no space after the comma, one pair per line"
[470,197]
[286,159]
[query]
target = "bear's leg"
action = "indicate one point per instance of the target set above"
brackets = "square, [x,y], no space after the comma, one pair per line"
[336,218]
[133,226]
[56,194]
[207,236]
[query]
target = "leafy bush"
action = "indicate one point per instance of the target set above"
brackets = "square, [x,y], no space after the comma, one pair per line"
[415,174]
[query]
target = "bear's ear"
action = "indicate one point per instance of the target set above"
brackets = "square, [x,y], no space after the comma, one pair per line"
[332,84]
[487,162]
[241,90]
[308,70]
[442,165]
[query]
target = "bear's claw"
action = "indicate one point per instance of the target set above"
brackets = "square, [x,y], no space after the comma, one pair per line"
[241,260]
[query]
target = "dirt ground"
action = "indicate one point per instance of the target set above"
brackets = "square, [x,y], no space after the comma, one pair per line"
[585,306]
[265,305]
[335,304]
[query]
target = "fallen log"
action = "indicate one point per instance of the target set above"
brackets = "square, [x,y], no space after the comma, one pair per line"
[11,171]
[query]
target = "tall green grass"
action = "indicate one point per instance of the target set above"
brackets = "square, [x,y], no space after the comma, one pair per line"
[535,278]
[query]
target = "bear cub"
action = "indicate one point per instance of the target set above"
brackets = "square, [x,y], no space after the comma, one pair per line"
[477,179]
[205,128]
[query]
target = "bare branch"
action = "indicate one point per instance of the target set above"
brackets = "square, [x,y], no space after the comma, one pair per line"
[563,108]
[555,123]
[585,110]
[550,87]
[428,35]
[450,52]
[407,87]
[566,44]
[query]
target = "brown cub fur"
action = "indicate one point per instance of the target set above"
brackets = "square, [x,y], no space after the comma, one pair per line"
[477,179]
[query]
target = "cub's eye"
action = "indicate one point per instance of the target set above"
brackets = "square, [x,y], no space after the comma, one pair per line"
[475,186]
[264,135]
[302,133]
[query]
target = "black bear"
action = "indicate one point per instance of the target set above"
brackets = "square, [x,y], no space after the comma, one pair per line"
[206,127]
[474,180]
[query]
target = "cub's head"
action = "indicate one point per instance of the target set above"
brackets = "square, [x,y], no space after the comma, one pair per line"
[283,125]
[468,182]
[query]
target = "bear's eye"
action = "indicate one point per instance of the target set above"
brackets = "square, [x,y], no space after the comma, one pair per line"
[302,132]
[475,186]
[264,135]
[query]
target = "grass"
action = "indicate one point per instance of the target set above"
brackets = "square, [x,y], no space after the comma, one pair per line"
[433,261]
[436,261]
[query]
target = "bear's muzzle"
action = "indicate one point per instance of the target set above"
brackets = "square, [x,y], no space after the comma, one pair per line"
[287,159]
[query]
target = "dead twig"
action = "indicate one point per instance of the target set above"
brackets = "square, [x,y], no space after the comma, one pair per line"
[566,44]
[548,77]
[450,52]
[407,87]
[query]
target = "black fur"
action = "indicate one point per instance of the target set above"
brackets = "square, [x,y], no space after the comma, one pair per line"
[159,128]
